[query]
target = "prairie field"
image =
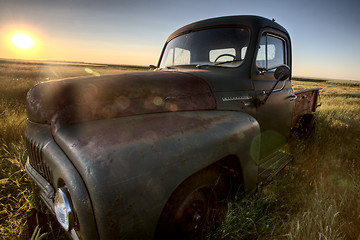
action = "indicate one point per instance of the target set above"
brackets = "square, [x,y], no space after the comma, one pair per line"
[317,196]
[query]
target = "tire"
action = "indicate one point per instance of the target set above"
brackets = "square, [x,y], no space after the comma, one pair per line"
[195,206]
[307,124]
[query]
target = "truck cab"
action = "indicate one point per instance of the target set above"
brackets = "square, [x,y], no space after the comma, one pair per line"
[238,56]
[156,154]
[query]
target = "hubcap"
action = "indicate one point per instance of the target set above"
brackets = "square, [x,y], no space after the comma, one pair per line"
[195,212]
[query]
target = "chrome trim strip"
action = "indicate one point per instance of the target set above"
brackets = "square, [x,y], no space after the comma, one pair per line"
[73,235]
[47,192]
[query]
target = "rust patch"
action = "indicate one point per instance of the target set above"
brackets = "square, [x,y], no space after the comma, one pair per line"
[130,206]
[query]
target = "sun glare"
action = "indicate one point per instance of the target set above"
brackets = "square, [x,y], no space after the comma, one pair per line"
[21,40]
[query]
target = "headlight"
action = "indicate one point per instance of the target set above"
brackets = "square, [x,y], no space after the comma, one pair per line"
[63,209]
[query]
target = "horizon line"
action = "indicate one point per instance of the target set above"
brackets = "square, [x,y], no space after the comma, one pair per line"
[80,63]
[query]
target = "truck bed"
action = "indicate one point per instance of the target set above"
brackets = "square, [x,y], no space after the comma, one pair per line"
[306,102]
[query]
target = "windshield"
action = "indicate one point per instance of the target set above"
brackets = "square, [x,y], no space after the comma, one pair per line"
[225,47]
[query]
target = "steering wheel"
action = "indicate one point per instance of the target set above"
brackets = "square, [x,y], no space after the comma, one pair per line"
[225,55]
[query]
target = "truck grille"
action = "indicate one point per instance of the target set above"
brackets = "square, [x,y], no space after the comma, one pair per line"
[36,160]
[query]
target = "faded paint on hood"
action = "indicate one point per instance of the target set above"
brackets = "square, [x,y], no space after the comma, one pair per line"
[69,101]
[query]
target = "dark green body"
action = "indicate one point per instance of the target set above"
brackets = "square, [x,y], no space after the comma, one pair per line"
[121,159]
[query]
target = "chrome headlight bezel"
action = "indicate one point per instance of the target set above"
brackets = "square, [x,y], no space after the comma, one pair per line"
[63,209]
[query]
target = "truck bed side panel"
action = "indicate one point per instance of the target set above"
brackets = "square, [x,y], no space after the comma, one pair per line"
[306,102]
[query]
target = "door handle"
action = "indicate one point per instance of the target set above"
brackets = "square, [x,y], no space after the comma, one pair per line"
[293,97]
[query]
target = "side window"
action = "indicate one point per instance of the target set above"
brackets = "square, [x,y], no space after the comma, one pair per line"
[271,52]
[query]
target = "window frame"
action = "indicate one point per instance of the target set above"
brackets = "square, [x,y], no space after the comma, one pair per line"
[285,46]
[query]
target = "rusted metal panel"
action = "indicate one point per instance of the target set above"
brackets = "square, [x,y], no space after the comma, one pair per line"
[84,99]
[306,102]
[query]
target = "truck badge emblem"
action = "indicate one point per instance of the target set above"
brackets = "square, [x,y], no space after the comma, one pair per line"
[237,98]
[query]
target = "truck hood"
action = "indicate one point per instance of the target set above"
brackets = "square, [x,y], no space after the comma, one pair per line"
[69,101]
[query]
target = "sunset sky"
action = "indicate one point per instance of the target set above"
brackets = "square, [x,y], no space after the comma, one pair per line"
[325,34]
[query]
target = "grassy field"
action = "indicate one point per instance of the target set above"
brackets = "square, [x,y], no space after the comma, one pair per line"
[317,196]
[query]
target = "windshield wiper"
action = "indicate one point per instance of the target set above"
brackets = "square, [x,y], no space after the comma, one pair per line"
[217,63]
[176,66]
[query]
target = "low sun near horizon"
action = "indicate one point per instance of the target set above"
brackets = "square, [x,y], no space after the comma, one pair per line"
[22,41]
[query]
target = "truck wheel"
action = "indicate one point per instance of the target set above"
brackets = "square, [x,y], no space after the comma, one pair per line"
[195,206]
[307,124]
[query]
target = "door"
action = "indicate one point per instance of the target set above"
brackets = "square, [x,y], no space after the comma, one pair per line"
[275,114]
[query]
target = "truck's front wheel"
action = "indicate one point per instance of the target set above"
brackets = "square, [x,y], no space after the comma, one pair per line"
[195,206]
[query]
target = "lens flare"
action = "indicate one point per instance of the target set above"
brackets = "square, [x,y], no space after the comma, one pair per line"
[21,40]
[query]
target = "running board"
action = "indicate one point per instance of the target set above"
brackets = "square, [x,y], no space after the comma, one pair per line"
[272,165]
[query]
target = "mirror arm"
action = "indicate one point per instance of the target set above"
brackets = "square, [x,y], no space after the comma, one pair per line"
[281,74]
[280,89]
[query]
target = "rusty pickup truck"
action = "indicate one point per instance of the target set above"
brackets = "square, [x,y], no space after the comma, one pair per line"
[155,154]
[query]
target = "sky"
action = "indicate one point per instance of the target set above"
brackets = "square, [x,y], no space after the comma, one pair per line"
[325,34]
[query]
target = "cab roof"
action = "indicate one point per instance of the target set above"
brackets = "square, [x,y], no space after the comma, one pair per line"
[253,22]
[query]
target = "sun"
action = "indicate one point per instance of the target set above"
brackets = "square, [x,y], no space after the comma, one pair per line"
[21,40]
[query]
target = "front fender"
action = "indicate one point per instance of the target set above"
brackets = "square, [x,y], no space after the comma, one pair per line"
[131,165]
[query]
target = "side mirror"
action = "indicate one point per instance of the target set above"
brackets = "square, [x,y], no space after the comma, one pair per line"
[282,73]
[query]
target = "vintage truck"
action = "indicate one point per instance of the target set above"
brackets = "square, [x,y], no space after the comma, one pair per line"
[156,154]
